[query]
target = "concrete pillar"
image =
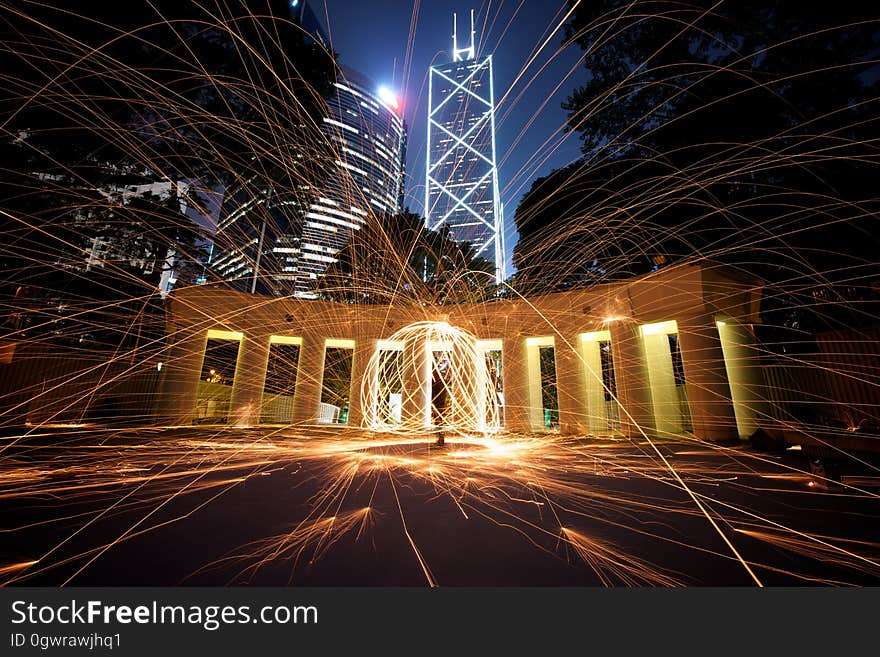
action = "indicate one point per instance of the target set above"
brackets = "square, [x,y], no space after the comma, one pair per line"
[364,348]
[516,388]
[708,389]
[181,366]
[744,374]
[570,387]
[597,414]
[633,385]
[478,380]
[250,377]
[416,414]
[310,374]
[666,396]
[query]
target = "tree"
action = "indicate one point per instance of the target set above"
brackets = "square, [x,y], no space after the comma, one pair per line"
[744,132]
[101,105]
[574,230]
[397,259]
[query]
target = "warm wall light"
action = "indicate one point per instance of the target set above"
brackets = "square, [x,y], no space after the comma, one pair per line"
[215,334]
[389,345]
[339,343]
[490,345]
[285,339]
[660,327]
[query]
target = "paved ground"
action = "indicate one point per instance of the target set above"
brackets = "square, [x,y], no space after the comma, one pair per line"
[203,507]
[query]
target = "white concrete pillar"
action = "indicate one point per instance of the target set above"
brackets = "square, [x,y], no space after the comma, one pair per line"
[310,374]
[364,348]
[744,374]
[708,389]
[250,377]
[478,381]
[666,398]
[570,386]
[416,414]
[515,383]
[633,385]
[181,366]
[590,349]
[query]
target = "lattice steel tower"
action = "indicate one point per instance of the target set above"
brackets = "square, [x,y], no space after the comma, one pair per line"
[461,177]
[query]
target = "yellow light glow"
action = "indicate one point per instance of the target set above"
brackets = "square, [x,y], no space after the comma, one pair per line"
[490,345]
[542,341]
[660,328]
[339,343]
[216,334]
[389,345]
[285,339]
[596,336]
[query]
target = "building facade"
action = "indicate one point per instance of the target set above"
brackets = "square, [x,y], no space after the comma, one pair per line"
[461,175]
[679,342]
[279,240]
[367,139]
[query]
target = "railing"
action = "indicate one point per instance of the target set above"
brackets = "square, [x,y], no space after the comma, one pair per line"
[39,386]
[328,414]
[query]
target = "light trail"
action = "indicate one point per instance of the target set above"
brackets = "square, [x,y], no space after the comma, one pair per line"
[76,492]
[418,356]
[502,481]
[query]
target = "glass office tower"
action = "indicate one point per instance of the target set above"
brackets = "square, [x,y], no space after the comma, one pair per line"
[461,176]
[368,140]
[280,240]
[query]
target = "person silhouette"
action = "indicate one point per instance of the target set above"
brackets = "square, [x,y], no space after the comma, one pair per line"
[440,398]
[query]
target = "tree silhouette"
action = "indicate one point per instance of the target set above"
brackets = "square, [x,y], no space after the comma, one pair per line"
[744,132]
[397,259]
[104,109]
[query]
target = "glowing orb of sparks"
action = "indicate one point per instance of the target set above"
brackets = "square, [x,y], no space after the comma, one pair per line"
[430,375]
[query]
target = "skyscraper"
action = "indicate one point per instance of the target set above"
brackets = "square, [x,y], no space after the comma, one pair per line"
[257,240]
[368,139]
[461,176]
[280,240]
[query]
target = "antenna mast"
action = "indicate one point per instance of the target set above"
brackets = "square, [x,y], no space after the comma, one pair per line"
[456,51]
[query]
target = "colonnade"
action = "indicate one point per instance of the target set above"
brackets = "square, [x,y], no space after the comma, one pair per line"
[683,367]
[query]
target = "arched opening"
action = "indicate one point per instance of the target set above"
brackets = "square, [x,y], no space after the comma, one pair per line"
[441,375]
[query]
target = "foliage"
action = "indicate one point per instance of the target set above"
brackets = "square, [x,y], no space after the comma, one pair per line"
[397,259]
[744,132]
[106,108]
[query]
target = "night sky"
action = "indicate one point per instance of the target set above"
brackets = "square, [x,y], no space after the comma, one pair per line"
[376,39]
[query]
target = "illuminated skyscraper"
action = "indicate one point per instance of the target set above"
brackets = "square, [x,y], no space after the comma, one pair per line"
[461,177]
[280,240]
[367,136]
